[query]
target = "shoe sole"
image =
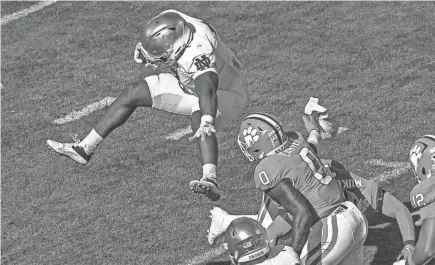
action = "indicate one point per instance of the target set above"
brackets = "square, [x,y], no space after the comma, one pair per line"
[61,154]
[199,188]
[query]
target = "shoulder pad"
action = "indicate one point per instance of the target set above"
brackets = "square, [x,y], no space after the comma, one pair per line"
[268,173]
[423,193]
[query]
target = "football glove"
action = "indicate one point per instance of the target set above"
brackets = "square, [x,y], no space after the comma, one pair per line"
[400,262]
[205,128]
[219,224]
[310,123]
[406,252]
[418,222]
[294,257]
[138,56]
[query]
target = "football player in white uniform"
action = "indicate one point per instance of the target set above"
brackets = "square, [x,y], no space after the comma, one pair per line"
[205,83]
[247,243]
[422,197]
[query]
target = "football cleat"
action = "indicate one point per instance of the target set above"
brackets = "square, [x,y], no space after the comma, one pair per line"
[207,186]
[71,150]
[219,224]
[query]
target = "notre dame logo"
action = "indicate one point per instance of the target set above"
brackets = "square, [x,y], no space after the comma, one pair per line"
[202,62]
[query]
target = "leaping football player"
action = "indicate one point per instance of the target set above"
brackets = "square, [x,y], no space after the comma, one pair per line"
[205,83]
[422,196]
[292,177]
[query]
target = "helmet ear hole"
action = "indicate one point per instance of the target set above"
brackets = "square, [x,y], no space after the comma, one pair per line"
[256,150]
[423,170]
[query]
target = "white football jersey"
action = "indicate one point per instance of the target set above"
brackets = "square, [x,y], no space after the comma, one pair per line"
[206,52]
[280,255]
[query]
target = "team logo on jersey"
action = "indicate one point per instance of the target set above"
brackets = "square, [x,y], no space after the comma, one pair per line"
[202,62]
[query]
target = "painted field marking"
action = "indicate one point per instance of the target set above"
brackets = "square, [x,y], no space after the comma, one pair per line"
[398,168]
[75,115]
[178,134]
[8,18]
[207,256]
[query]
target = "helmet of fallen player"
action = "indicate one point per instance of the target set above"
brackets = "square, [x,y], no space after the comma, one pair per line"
[422,157]
[261,135]
[164,39]
[246,240]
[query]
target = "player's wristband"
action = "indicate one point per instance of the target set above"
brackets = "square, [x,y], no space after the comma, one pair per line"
[409,242]
[207,119]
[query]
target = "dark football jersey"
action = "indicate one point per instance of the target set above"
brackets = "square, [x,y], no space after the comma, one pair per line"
[422,196]
[303,168]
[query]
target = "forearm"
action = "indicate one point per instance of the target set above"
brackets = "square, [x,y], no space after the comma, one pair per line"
[278,228]
[424,249]
[316,140]
[206,87]
[394,208]
[300,231]
[208,104]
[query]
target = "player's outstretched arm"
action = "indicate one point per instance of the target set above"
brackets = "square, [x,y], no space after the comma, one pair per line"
[425,247]
[394,208]
[206,85]
[277,229]
[314,137]
[298,206]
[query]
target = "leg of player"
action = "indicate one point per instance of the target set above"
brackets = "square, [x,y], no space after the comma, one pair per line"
[208,151]
[134,95]
[337,239]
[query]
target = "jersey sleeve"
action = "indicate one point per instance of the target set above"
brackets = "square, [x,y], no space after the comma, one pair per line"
[268,173]
[423,193]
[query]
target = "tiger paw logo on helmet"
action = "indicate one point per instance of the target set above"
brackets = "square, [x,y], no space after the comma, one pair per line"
[415,155]
[251,136]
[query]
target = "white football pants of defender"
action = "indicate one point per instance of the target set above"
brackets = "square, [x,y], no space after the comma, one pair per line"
[167,95]
[337,239]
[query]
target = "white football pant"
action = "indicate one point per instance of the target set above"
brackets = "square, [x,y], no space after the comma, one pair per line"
[167,95]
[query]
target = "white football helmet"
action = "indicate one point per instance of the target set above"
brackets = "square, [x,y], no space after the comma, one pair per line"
[164,39]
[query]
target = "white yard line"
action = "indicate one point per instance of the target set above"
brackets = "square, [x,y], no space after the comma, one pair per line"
[398,168]
[75,115]
[178,134]
[207,256]
[8,18]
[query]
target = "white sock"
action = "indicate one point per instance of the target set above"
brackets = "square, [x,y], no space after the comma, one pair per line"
[209,170]
[91,141]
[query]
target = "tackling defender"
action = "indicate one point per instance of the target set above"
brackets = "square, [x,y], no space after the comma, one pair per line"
[422,196]
[205,82]
[292,177]
[365,194]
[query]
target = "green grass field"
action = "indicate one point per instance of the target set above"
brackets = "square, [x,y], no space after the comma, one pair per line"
[371,63]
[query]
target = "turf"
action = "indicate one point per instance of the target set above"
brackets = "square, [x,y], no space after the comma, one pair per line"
[370,63]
